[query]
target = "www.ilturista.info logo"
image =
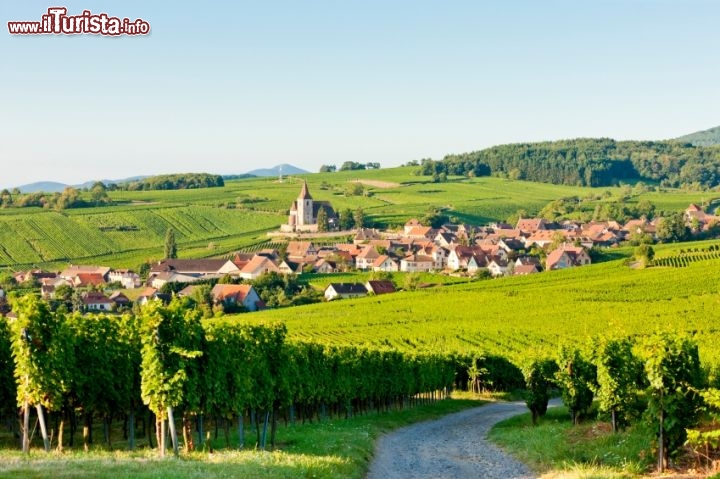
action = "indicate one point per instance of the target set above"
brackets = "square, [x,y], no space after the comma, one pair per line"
[58,22]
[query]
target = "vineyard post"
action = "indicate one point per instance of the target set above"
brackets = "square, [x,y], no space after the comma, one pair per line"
[241,429]
[131,427]
[163,435]
[173,431]
[26,424]
[43,427]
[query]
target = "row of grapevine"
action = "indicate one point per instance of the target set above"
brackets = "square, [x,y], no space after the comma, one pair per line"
[85,368]
[682,261]
[657,378]
[684,257]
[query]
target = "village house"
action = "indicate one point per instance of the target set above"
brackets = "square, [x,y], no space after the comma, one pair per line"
[85,280]
[697,218]
[120,300]
[525,269]
[530,225]
[413,263]
[528,261]
[237,294]
[96,301]
[344,291]
[437,253]
[385,263]
[72,271]
[324,266]
[159,280]
[567,257]
[420,232]
[380,287]
[544,238]
[151,294]
[198,268]
[125,277]
[258,266]
[497,266]
[301,250]
[412,223]
[366,258]
[466,257]
[33,275]
[445,239]
[49,285]
[365,235]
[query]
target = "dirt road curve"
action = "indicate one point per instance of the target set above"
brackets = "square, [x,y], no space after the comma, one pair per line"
[450,447]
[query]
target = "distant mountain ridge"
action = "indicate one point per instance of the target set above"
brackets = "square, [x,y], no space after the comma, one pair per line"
[55,187]
[285,169]
[708,137]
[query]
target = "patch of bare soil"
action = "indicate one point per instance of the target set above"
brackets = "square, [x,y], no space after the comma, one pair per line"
[378,184]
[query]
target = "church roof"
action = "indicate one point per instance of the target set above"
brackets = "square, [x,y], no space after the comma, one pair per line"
[305,193]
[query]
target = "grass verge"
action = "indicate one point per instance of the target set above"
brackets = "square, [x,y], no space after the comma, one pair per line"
[557,449]
[337,448]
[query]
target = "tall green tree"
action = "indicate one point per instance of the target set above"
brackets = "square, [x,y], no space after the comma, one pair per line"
[346,220]
[6,198]
[99,194]
[170,244]
[672,228]
[359,218]
[323,222]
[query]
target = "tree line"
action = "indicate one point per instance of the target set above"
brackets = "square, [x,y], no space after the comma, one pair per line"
[182,181]
[70,198]
[588,162]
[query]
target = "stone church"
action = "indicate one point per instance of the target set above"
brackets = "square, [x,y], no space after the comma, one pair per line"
[304,212]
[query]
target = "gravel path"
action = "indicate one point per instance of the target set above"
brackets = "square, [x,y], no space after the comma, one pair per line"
[454,446]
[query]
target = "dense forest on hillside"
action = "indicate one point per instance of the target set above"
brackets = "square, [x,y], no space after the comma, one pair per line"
[588,162]
[175,182]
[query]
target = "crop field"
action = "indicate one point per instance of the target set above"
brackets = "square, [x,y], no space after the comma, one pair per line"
[216,221]
[514,317]
[105,235]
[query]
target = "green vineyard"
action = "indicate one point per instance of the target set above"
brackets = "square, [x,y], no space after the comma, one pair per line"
[684,258]
[513,317]
[51,237]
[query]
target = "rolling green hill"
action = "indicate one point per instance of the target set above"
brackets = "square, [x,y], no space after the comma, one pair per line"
[515,316]
[702,138]
[216,221]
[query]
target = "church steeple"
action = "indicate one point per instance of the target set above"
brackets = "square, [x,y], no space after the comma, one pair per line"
[305,193]
[305,209]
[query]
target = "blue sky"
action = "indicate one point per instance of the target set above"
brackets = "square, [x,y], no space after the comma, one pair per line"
[226,87]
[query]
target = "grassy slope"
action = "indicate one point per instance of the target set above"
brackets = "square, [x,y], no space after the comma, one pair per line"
[205,228]
[512,316]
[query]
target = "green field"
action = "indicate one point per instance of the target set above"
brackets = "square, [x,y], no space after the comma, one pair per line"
[216,221]
[516,316]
